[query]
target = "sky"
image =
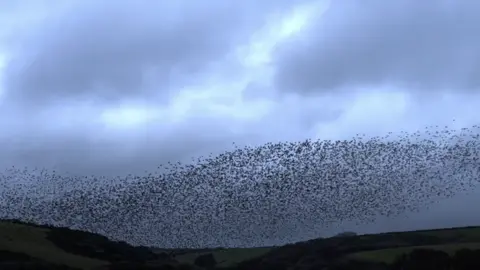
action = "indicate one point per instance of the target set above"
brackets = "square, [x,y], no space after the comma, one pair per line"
[113,87]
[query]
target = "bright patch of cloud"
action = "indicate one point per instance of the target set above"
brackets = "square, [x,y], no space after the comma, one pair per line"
[220,98]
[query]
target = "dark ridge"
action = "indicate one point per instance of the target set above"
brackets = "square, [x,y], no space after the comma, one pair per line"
[92,245]
[329,253]
[99,247]
[17,260]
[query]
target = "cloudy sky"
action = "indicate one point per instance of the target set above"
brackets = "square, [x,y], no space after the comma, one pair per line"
[111,87]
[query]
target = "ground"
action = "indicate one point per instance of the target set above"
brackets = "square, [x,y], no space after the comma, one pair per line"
[32,245]
[227,257]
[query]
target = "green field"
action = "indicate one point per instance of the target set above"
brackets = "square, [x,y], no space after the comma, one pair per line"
[32,241]
[390,254]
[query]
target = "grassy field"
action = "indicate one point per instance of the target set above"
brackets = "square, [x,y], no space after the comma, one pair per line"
[83,250]
[457,238]
[32,241]
[390,254]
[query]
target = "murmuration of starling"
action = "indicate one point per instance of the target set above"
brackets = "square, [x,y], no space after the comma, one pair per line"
[254,196]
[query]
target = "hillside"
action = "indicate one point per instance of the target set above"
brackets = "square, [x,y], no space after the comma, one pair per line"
[31,246]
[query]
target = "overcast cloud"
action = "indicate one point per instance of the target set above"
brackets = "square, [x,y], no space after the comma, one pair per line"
[428,46]
[120,86]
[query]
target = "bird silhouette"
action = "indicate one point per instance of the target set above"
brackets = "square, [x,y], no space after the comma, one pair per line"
[254,195]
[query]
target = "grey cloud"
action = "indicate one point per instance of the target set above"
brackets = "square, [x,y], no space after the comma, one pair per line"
[427,45]
[311,112]
[92,54]
[82,146]
[89,149]
[110,51]
[100,54]
[72,155]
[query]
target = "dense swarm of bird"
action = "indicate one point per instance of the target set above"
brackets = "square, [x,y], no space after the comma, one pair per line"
[271,194]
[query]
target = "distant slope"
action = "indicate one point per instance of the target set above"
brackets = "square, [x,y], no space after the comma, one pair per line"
[65,248]
[371,248]
[33,246]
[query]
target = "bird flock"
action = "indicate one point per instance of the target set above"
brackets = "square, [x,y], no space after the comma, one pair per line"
[254,196]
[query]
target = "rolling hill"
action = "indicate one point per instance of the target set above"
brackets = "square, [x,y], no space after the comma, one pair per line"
[30,246]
